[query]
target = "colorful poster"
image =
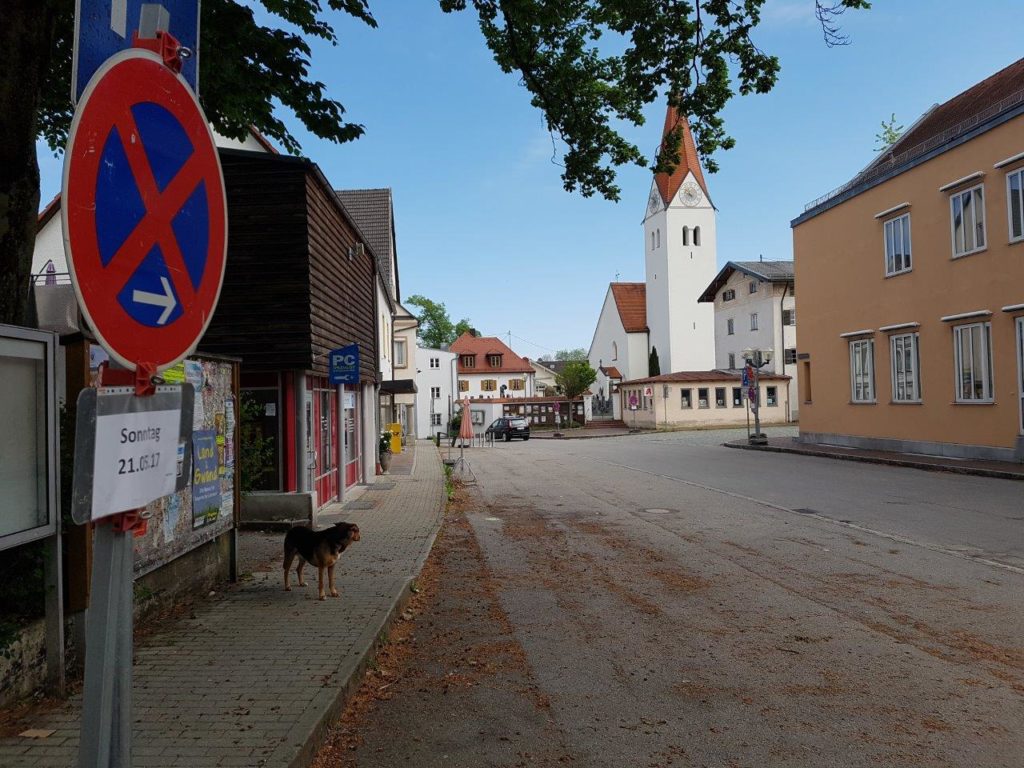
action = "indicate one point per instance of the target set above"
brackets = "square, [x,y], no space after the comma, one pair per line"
[206,496]
[194,373]
[175,374]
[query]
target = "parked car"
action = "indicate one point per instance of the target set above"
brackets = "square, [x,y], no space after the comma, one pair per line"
[509,427]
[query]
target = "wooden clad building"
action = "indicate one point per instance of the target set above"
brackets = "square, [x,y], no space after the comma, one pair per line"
[300,282]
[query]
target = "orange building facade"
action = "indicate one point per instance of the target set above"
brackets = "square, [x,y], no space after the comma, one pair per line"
[911,282]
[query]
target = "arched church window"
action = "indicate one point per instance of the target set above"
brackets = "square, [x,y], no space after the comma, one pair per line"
[652,241]
[686,235]
[696,235]
[658,233]
[615,350]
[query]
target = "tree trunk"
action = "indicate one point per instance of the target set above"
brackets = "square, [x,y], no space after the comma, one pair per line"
[26,37]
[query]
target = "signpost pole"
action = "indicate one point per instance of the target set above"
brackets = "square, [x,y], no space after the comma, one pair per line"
[107,698]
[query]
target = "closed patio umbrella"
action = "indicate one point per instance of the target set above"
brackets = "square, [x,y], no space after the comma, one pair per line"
[466,427]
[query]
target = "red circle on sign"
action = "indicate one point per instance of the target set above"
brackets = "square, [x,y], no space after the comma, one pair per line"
[150,197]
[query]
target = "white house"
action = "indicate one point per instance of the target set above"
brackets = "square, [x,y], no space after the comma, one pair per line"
[487,368]
[48,259]
[663,313]
[373,212]
[435,389]
[755,308]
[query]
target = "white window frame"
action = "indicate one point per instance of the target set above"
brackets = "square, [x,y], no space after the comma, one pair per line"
[899,225]
[435,419]
[987,378]
[753,286]
[732,361]
[729,294]
[401,354]
[730,327]
[899,375]
[753,321]
[435,393]
[976,192]
[435,362]
[1019,175]
[865,375]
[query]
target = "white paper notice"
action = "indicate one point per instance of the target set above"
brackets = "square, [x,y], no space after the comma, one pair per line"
[136,460]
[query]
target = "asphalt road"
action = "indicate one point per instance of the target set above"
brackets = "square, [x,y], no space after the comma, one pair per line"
[673,602]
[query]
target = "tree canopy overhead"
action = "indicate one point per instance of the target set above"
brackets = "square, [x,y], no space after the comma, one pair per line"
[588,65]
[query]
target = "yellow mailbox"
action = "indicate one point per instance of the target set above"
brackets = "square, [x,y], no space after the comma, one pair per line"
[396,437]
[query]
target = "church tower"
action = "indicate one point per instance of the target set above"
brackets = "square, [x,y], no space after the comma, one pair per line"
[679,243]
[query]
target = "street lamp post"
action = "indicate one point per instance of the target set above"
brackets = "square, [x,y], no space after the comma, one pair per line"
[757,359]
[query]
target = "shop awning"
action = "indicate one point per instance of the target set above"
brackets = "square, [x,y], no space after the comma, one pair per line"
[398,387]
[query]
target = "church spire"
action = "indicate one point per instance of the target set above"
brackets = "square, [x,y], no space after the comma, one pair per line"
[689,162]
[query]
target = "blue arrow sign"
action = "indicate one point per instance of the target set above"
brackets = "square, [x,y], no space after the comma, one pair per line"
[105,27]
[344,365]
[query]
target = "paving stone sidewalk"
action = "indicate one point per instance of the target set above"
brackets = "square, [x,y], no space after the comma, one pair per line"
[1000,469]
[256,675]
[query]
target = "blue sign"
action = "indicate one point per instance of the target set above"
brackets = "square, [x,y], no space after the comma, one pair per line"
[746,378]
[105,27]
[344,365]
[205,478]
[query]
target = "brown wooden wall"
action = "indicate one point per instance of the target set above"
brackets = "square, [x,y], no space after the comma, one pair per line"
[263,312]
[342,290]
[291,294]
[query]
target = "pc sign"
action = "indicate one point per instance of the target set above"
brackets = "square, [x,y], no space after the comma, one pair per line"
[344,365]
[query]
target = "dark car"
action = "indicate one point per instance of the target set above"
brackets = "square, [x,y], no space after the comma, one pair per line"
[509,427]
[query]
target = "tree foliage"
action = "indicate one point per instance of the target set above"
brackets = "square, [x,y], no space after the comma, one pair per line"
[566,354]
[436,328]
[888,135]
[653,363]
[576,378]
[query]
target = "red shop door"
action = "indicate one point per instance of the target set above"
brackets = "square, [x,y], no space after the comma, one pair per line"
[325,426]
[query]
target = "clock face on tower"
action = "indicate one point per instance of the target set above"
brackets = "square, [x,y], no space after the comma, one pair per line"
[689,194]
[654,204]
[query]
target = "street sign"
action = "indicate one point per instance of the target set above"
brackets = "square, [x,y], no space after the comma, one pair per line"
[144,212]
[746,377]
[106,27]
[127,449]
[633,400]
[344,365]
[648,391]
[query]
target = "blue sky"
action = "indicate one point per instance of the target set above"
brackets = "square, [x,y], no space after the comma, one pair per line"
[483,223]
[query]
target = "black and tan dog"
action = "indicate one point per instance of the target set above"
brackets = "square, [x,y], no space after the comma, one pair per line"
[318,548]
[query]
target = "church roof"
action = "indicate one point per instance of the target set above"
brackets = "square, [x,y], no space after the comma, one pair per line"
[766,271]
[631,302]
[689,162]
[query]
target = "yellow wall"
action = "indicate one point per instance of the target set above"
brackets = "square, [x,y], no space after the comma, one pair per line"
[840,275]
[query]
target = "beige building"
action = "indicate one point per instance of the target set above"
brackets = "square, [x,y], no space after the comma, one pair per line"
[911,282]
[699,399]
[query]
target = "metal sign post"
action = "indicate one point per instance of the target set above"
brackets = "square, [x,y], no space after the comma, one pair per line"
[145,231]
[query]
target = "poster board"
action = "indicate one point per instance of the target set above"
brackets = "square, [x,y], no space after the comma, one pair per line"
[175,526]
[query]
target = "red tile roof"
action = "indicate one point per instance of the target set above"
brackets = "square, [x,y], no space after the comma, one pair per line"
[481,347]
[631,301]
[668,186]
[611,371]
[963,106]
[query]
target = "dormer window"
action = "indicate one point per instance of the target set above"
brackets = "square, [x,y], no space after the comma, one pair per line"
[468,361]
[494,361]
